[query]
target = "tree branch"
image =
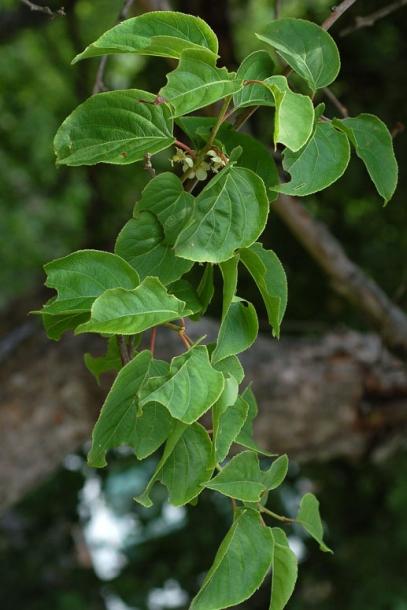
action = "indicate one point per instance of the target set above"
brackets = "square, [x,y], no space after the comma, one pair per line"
[369,20]
[337,11]
[346,277]
[44,9]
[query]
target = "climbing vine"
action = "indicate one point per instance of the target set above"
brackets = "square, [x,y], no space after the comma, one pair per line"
[145,284]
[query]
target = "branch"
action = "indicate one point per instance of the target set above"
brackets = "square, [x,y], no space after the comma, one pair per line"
[99,86]
[337,11]
[369,20]
[44,9]
[347,278]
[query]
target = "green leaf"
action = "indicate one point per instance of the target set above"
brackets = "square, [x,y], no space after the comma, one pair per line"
[197,82]
[269,275]
[306,47]
[206,288]
[230,213]
[164,196]
[243,480]
[119,412]
[229,274]
[110,361]
[128,312]
[228,427]
[230,366]
[115,127]
[184,291]
[245,436]
[318,164]
[277,473]
[294,119]
[254,155]
[55,326]
[238,330]
[161,33]
[284,572]
[186,468]
[175,435]
[240,565]
[82,276]
[191,387]
[256,66]
[308,516]
[374,145]
[141,243]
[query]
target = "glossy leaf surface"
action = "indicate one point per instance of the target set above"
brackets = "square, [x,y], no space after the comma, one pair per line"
[285,571]
[308,516]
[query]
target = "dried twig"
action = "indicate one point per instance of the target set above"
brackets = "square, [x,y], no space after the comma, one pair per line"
[44,9]
[369,20]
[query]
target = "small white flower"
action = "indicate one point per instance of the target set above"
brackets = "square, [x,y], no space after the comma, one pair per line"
[217,162]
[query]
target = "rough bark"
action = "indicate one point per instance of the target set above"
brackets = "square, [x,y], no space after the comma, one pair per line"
[340,395]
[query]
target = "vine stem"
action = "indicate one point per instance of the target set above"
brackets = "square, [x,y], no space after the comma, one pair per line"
[270,513]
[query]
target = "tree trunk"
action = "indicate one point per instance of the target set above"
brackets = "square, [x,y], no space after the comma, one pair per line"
[340,395]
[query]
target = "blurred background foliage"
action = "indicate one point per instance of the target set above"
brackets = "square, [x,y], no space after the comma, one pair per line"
[45,542]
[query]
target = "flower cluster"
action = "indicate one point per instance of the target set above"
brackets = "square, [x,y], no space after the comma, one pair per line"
[216,162]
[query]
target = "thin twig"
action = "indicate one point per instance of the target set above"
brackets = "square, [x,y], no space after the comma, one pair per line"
[337,11]
[277,9]
[99,85]
[342,109]
[369,20]
[44,9]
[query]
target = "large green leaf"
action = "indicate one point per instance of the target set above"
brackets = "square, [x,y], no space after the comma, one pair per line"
[230,213]
[306,47]
[256,66]
[116,127]
[161,33]
[164,196]
[318,164]
[197,82]
[190,388]
[294,119]
[82,276]
[240,565]
[127,312]
[308,516]
[187,466]
[285,571]
[374,145]
[141,242]
[269,275]
[243,480]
